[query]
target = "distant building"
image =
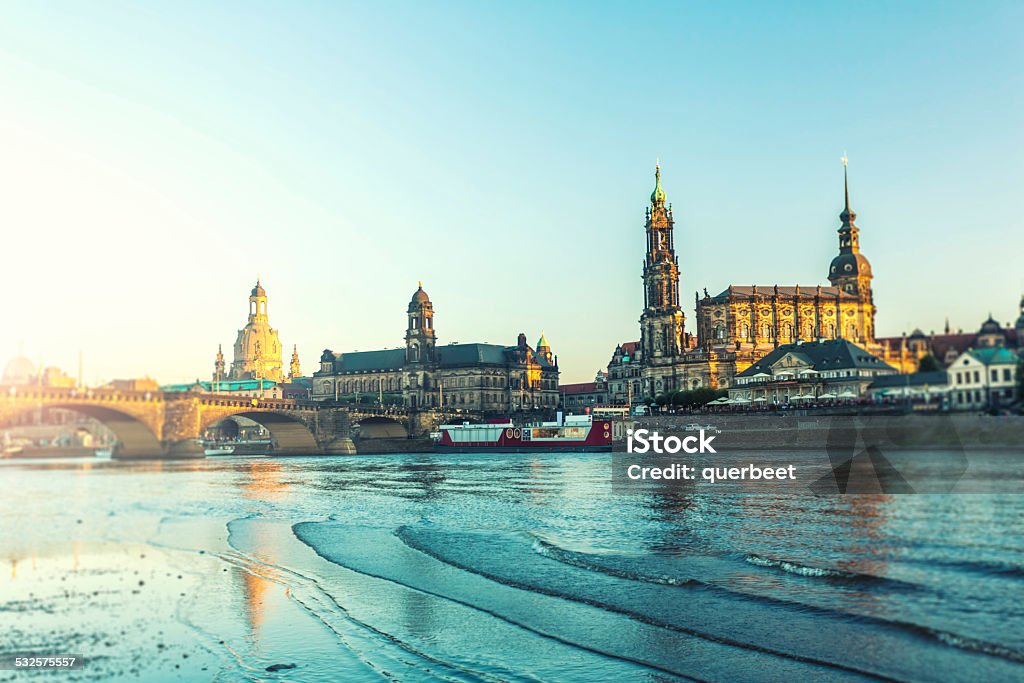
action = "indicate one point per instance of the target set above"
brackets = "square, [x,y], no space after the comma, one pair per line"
[579,396]
[141,384]
[20,371]
[926,386]
[300,388]
[257,347]
[742,324]
[949,345]
[244,388]
[625,374]
[984,378]
[479,377]
[56,378]
[835,369]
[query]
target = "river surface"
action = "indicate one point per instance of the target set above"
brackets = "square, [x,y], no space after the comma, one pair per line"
[499,568]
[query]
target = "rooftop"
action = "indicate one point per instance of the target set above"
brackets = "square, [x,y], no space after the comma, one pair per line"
[832,354]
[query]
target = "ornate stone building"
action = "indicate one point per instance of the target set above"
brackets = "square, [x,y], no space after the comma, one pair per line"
[752,321]
[479,377]
[257,347]
[742,324]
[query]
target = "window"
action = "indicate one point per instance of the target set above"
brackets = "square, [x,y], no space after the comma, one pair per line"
[995,375]
[977,377]
[1006,374]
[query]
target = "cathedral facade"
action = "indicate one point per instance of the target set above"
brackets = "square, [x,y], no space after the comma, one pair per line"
[743,323]
[257,352]
[423,374]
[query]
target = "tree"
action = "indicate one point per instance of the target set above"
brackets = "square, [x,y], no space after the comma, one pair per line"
[929,363]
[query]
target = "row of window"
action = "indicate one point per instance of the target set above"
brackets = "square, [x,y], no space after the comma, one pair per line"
[786,332]
[396,384]
[492,399]
[974,376]
[977,396]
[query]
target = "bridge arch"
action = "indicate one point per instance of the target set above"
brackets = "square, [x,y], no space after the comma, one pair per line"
[380,427]
[135,438]
[291,435]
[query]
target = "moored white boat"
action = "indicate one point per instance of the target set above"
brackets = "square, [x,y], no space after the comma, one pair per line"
[573,433]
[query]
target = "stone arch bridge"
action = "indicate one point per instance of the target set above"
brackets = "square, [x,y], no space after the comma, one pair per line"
[169,424]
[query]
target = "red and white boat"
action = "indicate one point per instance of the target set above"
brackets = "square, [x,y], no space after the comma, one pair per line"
[575,433]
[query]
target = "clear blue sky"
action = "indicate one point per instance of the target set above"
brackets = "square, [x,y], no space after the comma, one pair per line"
[157,156]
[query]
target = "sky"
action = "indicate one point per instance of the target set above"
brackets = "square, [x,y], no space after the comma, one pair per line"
[156,157]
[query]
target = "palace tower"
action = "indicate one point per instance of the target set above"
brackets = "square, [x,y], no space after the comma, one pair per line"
[661,323]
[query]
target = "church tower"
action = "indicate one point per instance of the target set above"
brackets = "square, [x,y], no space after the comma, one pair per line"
[257,347]
[294,370]
[419,333]
[544,349]
[661,324]
[850,270]
[218,366]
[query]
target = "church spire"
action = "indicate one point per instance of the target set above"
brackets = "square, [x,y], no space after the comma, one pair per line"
[848,215]
[849,234]
[658,196]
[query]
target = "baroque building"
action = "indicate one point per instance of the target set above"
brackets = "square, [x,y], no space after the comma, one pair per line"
[487,378]
[752,321]
[257,347]
[741,324]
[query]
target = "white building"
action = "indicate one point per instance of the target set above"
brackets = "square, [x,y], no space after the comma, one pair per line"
[981,378]
[834,369]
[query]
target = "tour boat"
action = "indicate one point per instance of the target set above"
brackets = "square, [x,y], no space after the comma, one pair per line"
[574,433]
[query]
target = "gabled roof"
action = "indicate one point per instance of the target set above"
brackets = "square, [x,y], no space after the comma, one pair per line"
[630,347]
[786,291]
[832,354]
[995,355]
[364,361]
[795,352]
[580,388]
[454,355]
[448,356]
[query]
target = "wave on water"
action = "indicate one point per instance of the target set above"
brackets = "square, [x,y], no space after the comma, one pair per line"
[804,570]
[553,552]
[960,642]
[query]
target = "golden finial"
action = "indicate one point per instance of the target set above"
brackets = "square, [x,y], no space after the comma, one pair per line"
[421,284]
[845,159]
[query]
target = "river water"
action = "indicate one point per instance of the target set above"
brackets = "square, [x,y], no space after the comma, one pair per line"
[499,568]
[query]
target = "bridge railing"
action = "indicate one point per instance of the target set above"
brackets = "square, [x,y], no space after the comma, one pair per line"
[58,394]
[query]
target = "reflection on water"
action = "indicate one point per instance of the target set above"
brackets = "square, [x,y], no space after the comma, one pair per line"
[469,567]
